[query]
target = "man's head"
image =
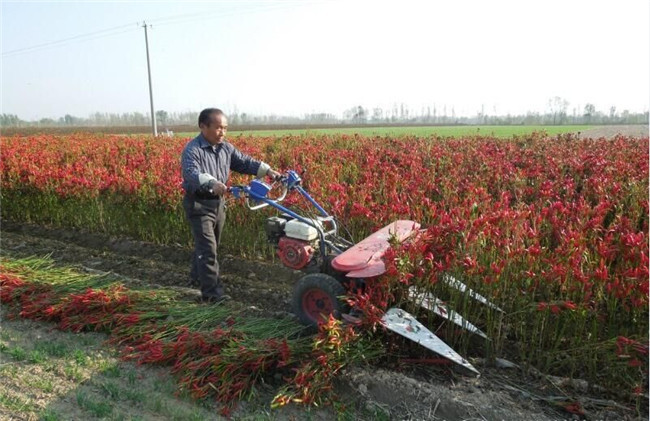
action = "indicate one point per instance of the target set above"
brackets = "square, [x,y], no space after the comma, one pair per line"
[213,124]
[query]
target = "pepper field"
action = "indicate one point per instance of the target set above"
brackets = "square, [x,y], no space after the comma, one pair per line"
[553,230]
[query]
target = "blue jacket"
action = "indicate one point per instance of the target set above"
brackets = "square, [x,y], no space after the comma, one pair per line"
[199,157]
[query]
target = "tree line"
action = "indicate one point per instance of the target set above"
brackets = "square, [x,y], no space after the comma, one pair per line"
[556,114]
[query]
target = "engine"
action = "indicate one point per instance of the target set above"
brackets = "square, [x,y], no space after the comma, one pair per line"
[296,240]
[294,253]
[275,229]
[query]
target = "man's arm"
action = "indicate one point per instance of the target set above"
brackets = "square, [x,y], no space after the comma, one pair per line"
[244,164]
[190,168]
[193,176]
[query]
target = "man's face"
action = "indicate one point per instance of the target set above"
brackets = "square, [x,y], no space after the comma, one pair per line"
[216,131]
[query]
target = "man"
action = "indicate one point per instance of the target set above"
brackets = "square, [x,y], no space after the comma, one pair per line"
[206,163]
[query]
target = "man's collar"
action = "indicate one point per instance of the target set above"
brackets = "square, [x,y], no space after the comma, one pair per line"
[203,143]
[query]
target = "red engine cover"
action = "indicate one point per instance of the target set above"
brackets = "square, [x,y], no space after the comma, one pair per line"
[294,254]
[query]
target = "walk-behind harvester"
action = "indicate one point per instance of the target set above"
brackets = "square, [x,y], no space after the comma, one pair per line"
[333,264]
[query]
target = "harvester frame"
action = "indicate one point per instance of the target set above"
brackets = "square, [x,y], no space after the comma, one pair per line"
[333,265]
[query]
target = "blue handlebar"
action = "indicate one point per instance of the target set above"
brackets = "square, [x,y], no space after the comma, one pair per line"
[258,190]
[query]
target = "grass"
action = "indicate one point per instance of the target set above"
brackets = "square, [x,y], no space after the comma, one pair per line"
[73,372]
[44,384]
[49,415]
[79,357]
[77,376]
[52,349]
[444,131]
[17,353]
[111,389]
[110,369]
[132,377]
[36,357]
[97,408]
[134,395]
[15,403]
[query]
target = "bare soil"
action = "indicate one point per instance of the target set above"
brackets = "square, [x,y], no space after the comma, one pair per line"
[608,132]
[405,392]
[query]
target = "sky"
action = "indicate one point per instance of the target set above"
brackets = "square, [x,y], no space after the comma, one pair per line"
[289,57]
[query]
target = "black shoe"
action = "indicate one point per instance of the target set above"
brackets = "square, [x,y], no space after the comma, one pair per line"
[213,299]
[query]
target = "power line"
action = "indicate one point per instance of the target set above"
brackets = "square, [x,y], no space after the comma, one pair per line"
[186,18]
[191,17]
[69,42]
[88,36]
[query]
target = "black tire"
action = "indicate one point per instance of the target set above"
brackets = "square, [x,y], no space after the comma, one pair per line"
[316,295]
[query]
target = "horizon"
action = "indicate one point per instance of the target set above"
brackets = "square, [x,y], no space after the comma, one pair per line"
[340,119]
[289,58]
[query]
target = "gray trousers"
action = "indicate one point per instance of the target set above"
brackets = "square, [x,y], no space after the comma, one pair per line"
[207,218]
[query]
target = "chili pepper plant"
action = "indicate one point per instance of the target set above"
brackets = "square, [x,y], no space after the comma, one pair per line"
[553,230]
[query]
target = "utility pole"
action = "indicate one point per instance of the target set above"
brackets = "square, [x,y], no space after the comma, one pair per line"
[153,115]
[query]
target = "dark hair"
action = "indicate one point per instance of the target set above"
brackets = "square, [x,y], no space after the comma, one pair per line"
[206,115]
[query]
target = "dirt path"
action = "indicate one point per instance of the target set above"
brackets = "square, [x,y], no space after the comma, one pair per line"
[637,130]
[407,392]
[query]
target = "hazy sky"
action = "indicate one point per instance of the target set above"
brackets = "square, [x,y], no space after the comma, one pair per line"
[289,57]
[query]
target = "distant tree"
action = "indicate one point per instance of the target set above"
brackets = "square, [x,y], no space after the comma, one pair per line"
[361,115]
[161,116]
[532,118]
[403,112]
[48,122]
[612,114]
[590,110]
[98,119]
[357,114]
[319,118]
[140,119]
[377,114]
[394,115]
[558,107]
[625,116]
[116,119]
[10,120]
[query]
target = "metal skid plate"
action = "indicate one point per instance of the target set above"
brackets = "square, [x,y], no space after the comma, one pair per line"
[403,323]
[430,302]
[455,283]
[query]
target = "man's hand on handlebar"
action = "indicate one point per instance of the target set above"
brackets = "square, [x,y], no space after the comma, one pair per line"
[276,176]
[218,188]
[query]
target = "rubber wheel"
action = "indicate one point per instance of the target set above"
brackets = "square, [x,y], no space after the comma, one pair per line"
[315,297]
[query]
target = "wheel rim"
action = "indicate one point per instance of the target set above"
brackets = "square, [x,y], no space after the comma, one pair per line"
[316,302]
